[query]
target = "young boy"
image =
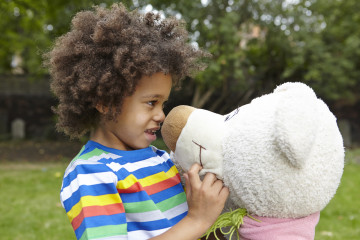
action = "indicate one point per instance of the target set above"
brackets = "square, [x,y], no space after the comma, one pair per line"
[112,74]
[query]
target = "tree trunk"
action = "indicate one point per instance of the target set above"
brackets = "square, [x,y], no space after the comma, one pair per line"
[200,98]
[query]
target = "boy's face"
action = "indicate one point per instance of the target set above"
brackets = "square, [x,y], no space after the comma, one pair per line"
[140,117]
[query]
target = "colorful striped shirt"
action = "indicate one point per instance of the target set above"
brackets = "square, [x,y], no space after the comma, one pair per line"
[114,194]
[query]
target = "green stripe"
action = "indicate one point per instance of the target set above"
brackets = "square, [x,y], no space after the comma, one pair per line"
[77,156]
[95,152]
[138,207]
[104,231]
[172,202]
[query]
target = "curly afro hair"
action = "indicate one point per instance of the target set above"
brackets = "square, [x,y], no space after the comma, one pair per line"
[101,59]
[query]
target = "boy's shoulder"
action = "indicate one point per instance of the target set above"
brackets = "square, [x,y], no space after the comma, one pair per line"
[95,153]
[90,153]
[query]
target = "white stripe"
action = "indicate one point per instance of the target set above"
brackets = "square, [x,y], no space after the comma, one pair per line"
[119,237]
[131,167]
[157,214]
[164,156]
[176,211]
[104,155]
[143,234]
[92,160]
[144,216]
[77,162]
[87,180]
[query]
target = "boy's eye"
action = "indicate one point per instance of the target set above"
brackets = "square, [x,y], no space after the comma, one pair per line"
[152,103]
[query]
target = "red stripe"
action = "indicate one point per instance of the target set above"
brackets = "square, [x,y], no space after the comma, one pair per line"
[97,211]
[160,186]
[136,187]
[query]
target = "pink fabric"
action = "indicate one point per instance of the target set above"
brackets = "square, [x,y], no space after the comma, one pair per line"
[279,228]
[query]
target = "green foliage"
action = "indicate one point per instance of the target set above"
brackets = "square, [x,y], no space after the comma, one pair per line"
[326,48]
[316,42]
[29,27]
[256,45]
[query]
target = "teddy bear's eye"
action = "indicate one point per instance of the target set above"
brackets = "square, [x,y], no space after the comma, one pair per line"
[232,114]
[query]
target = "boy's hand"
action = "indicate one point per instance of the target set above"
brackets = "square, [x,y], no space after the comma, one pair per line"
[206,198]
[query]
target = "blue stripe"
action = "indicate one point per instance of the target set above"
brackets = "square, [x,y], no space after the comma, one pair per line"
[128,156]
[167,193]
[149,226]
[151,170]
[134,197]
[92,190]
[160,152]
[178,218]
[84,169]
[98,221]
[86,150]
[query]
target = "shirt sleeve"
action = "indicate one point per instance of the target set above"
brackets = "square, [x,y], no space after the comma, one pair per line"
[92,202]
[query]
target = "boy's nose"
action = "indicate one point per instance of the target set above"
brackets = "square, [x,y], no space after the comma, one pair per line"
[160,116]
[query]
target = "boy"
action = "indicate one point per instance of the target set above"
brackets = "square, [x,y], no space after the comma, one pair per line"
[112,73]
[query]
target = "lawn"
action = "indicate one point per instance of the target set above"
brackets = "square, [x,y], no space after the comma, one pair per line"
[30,207]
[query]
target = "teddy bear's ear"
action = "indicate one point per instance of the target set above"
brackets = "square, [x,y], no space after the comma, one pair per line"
[296,121]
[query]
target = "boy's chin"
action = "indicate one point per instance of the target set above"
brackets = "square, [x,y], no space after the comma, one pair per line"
[150,137]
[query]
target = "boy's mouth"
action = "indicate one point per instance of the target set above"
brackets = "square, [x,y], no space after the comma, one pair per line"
[151,134]
[151,131]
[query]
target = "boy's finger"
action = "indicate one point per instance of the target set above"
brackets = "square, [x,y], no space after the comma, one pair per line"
[209,179]
[217,185]
[224,193]
[193,174]
[195,168]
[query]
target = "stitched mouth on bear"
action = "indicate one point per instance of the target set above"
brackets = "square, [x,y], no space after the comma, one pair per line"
[200,147]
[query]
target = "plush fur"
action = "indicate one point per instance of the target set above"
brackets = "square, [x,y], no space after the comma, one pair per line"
[281,156]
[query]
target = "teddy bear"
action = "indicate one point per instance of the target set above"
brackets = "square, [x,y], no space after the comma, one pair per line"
[281,156]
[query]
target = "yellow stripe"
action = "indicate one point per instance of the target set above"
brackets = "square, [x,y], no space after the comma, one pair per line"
[88,201]
[159,177]
[127,182]
[147,181]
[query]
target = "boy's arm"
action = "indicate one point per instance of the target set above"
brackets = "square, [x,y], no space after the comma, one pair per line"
[92,203]
[206,200]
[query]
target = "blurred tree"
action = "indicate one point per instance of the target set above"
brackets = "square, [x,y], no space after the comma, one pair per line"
[261,43]
[326,48]
[219,26]
[29,27]
[256,44]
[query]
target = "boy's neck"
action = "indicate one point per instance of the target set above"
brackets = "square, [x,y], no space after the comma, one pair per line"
[107,140]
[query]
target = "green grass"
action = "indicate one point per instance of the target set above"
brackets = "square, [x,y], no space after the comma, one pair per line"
[30,206]
[341,217]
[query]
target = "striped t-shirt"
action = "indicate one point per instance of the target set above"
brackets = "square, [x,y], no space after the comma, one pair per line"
[114,194]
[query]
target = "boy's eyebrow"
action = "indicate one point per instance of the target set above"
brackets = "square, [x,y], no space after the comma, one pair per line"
[152,96]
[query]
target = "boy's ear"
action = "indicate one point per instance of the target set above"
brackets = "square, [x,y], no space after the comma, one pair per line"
[101,108]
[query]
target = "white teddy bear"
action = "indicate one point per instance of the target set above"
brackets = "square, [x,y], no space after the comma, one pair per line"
[281,156]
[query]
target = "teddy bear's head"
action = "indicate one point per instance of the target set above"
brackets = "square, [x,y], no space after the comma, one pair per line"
[281,155]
